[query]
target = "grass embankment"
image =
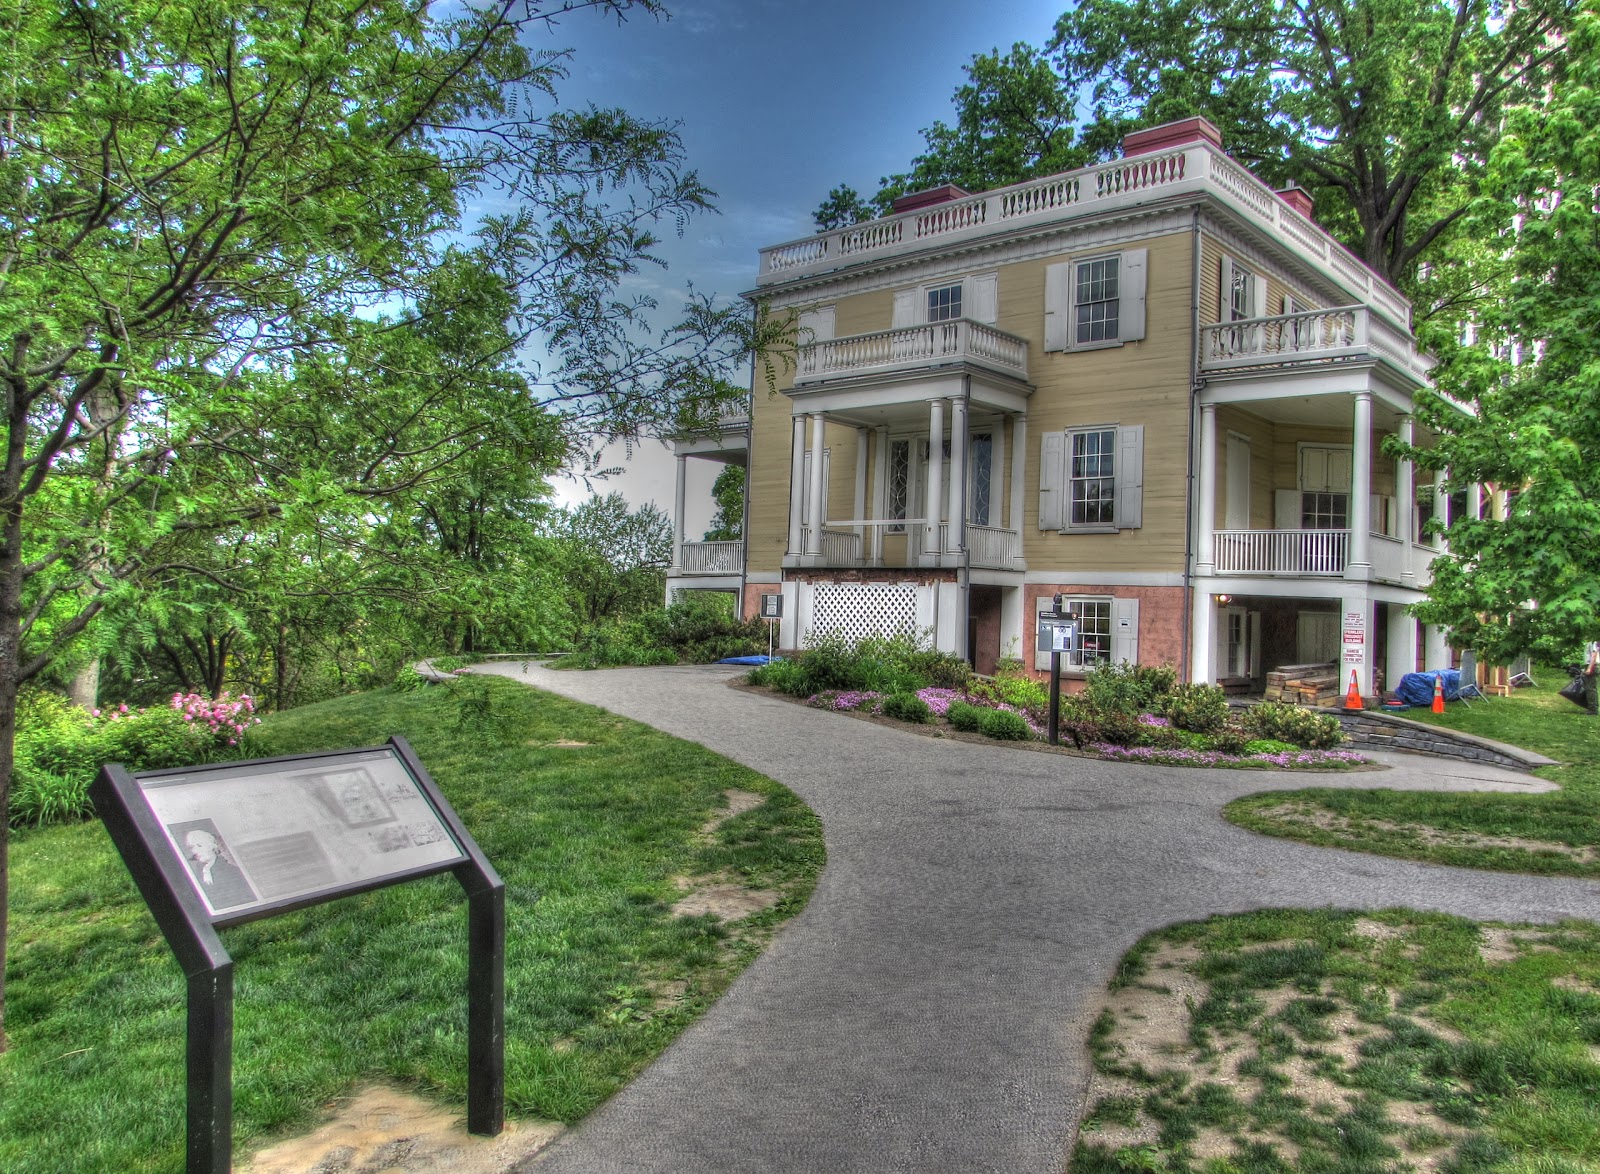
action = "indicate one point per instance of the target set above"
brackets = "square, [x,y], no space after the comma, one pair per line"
[600,975]
[1556,833]
[1321,1041]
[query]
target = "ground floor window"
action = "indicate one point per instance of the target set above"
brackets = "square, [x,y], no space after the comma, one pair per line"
[1094,632]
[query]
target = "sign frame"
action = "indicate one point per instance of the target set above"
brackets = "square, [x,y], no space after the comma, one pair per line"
[168,886]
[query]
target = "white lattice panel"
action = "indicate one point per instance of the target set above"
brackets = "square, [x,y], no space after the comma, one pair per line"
[855,610]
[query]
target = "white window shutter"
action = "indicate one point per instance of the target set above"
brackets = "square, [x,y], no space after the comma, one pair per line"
[905,308]
[1130,477]
[1131,283]
[1286,509]
[983,298]
[1125,631]
[1052,477]
[816,325]
[1057,305]
[1258,296]
[1225,291]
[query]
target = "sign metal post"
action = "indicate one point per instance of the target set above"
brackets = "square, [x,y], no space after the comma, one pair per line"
[1056,635]
[217,846]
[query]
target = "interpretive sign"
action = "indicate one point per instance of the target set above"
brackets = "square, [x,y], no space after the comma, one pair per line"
[267,834]
[772,607]
[217,846]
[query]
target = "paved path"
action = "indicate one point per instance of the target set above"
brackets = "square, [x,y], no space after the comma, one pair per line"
[928,1010]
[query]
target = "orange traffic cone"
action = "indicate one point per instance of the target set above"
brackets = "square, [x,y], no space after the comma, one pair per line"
[1438,693]
[1352,699]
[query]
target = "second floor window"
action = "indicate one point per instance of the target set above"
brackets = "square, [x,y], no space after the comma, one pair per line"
[944,303]
[1097,300]
[1091,477]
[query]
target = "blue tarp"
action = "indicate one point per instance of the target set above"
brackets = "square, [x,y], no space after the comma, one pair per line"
[747,659]
[1417,688]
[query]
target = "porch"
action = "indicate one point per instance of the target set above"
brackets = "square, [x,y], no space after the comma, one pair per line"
[713,564]
[908,450]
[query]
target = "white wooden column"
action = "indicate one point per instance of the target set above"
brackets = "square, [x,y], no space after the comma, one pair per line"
[819,483]
[677,511]
[1359,563]
[1435,651]
[1475,501]
[880,487]
[797,480]
[1441,503]
[935,496]
[1019,465]
[861,480]
[1405,494]
[997,474]
[1355,617]
[958,476]
[1402,646]
[1202,636]
[1206,539]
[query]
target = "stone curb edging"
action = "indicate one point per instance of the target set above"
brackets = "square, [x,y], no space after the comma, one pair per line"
[1388,731]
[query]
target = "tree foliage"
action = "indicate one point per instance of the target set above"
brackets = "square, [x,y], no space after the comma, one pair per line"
[727,524]
[1386,110]
[616,557]
[248,324]
[1531,582]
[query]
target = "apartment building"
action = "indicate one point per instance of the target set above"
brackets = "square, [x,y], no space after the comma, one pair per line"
[1155,386]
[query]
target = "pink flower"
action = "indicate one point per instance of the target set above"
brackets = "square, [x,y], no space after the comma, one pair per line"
[96,713]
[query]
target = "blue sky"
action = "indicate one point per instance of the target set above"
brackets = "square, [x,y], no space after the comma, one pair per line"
[778,102]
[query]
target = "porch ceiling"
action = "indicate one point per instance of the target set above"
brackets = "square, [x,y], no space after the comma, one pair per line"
[902,399]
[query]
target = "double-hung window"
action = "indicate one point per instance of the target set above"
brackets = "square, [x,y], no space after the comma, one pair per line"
[1093,617]
[1096,301]
[1092,477]
[1092,302]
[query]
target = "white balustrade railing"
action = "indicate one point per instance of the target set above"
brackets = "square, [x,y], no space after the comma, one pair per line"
[1284,338]
[994,547]
[840,548]
[1192,168]
[1281,552]
[961,340]
[713,558]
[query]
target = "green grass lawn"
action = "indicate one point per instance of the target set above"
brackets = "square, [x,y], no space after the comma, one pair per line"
[1556,833]
[600,976]
[1336,1043]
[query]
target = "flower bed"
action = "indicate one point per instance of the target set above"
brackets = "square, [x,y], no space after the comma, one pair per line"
[1282,760]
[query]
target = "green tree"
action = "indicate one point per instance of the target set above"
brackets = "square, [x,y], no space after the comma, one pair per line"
[1385,110]
[843,207]
[1531,583]
[616,558]
[220,224]
[727,524]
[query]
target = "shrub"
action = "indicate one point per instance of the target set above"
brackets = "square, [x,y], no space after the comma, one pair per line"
[941,670]
[907,707]
[1005,725]
[1115,690]
[698,628]
[1020,691]
[1156,680]
[1269,746]
[786,676]
[59,748]
[965,716]
[1291,723]
[1200,708]
[1229,740]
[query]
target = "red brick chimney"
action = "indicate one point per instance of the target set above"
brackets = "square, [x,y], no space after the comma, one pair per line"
[1299,199]
[939,195]
[1171,134]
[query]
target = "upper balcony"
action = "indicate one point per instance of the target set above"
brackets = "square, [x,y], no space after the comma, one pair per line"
[1307,340]
[914,348]
[1196,168]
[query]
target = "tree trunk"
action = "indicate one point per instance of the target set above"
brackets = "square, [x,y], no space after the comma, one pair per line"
[10,666]
[85,687]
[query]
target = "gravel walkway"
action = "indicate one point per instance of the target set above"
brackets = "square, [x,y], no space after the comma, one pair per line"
[928,1010]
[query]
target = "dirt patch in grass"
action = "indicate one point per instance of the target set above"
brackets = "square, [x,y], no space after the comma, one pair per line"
[739,802]
[378,1129]
[1310,815]
[725,902]
[1228,1047]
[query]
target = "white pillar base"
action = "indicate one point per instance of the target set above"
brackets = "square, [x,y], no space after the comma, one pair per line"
[1202,638]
